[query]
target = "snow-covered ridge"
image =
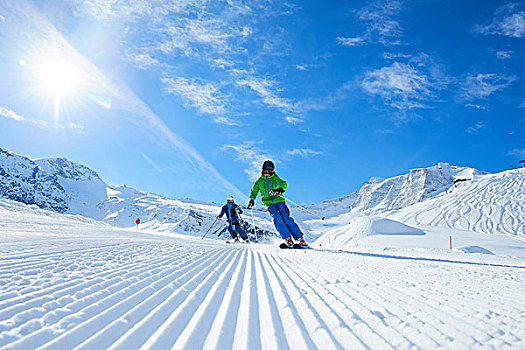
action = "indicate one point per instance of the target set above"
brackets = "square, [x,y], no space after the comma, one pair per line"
[378,195]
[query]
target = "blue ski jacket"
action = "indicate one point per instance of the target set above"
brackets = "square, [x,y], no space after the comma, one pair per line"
[231,213]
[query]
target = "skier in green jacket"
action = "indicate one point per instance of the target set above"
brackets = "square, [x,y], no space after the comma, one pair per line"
[271,188]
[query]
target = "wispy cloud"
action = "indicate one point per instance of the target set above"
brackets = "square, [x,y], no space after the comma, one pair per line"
[250,153]
[379,18]
[69,125]
[406,86]
[143,60]
[483,85]
[10,114]
[303,152]
[518,152]
[509,20]
[503,55]
[269,94]
[476,106]
[214,37]
[205,97]
[151,162]
[305,67]
[355,41]
[476,127]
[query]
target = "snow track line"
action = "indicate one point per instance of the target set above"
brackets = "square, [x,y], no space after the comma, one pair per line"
[271,326]
[335,323]
[116,323]
[100,280]
[227,316]
[365,325]
[141,291]
[313,322]
[147,327]
[70,251]
[191,306]
[59,289]
[294,327]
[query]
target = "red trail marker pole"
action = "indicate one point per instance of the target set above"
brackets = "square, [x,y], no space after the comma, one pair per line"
[137,222]
[450,243]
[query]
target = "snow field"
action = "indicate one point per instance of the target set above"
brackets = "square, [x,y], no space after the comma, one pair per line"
[193,294]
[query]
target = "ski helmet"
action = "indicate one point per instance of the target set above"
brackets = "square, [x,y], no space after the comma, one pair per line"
[268,165]
[230,199]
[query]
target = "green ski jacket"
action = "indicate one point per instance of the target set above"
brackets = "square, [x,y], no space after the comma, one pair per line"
[265,185]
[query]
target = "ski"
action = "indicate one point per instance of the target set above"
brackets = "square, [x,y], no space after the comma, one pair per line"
[295,246]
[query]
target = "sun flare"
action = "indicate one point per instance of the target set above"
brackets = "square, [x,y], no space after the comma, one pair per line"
[59,77]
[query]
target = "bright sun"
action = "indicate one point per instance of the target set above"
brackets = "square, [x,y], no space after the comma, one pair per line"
[58,77]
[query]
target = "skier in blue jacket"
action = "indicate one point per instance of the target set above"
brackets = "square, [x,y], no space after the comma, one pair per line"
[232,212]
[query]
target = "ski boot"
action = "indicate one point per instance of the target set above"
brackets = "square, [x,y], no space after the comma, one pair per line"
[301,242]
[288,242]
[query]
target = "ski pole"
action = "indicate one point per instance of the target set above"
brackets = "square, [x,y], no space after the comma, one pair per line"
[210,228]
[254,228]
[314,214]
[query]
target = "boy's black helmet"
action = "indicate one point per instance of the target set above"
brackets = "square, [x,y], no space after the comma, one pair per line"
[268,165]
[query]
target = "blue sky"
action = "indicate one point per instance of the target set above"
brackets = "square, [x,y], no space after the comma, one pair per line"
[186,99]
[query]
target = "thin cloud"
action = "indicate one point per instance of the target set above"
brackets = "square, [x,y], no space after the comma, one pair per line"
[406,86]
[248,152]
[503,55]
[205,97]
[269,94]
[476,127]
[151,162]
[355,41]
[69,125]
[483,85]
[381,24]
[10,114]
[516,152]
[143,60]
[508,21]
[303,152]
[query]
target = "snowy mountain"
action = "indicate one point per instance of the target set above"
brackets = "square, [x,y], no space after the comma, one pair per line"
[483,215]
[379,195]
[66,187]
[23,180]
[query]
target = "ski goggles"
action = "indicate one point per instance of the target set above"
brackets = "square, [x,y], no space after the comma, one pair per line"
[267,172]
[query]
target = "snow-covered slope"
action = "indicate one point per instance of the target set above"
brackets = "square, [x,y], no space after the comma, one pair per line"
[483,215]
[492,203]
[66,284]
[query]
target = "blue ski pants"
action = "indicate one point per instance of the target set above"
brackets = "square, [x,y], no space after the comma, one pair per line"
[283,222]
[234,229]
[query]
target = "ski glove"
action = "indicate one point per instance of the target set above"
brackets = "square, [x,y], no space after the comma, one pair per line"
[277,192]
[251,203]
[219,216]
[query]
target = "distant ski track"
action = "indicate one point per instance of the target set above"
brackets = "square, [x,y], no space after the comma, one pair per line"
[202,295]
